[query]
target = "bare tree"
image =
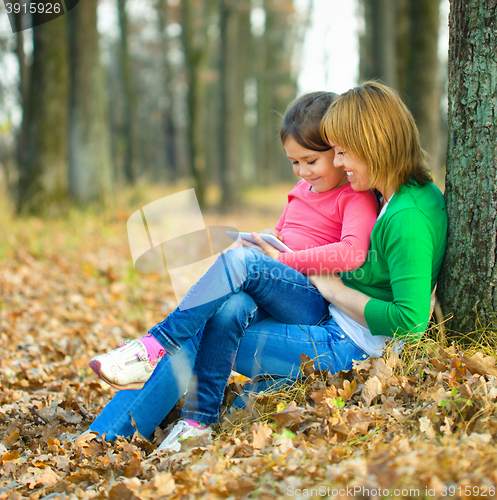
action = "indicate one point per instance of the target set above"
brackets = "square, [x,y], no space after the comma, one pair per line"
[131,163]
[197,17]
[90,173]
[43,141]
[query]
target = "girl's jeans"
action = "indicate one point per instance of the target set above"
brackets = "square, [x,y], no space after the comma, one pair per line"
[249,313]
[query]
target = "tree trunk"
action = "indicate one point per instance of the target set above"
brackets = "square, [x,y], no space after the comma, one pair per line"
[90,171]
[170,132]
[379,43]
[468,283]
[276,88]
[400,47]
[43,141]
[131,167]
[197,45]
[234,16]
[423,75]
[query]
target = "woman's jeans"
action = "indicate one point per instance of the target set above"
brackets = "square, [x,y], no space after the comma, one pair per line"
[249,313]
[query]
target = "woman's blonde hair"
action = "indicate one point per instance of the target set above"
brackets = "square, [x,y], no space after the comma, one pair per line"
[372,122]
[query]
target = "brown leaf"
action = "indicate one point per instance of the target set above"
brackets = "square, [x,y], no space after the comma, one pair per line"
[68,416]
[291,415]
[133,467]
[121,492]
[163,483]
[481,364]
[324,393]
[359,421]
[307,365]
[371,389]
[46,477]
[349,389]
[261,433]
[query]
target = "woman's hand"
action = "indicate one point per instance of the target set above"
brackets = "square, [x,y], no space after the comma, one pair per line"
[329,285]
[351,302]
[263,246]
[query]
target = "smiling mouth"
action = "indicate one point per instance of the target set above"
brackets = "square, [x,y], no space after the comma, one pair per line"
[312,180]
[349,174]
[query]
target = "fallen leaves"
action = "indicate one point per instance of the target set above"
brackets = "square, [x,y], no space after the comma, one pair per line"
[416,421]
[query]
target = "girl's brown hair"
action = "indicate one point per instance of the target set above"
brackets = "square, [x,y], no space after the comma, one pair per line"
[303,118]
[374,124]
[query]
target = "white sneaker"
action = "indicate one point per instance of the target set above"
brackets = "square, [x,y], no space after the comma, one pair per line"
[180,432]
[127,367]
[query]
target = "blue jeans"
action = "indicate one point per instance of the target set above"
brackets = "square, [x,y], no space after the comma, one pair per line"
[270,316]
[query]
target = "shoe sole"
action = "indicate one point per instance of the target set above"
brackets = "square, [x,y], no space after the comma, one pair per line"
[96,366]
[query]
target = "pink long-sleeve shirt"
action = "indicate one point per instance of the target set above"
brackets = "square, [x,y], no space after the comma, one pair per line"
[329,232]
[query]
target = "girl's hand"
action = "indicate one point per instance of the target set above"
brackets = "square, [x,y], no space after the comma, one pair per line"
[274,232]
[262,246]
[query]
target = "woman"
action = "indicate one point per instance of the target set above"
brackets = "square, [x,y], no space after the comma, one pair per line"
[376,142]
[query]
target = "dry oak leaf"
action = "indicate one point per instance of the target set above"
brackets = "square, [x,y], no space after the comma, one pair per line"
[121,492]
[481,364]
[359,421]
[45,477]
[307,365]
[372,388]
[324,393]
[162,485]
[261,434]
[291,415]
[349,389]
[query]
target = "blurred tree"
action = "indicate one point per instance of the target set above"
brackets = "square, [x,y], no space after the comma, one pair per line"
[276,86]
[23,67]
[235,68]
[43,143]
[131,162]
[170,128]
[90,170]
[197,17]
[400,47]
[467,286]
[378,45]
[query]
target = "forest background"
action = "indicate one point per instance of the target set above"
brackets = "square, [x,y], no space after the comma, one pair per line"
[192,96]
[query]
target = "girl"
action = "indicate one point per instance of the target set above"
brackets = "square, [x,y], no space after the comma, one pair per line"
[328,225]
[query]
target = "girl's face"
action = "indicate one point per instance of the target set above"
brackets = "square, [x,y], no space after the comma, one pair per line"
[316,167]
[355,168]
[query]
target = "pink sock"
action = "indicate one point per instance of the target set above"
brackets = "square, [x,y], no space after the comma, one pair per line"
[194,423]
[155,351]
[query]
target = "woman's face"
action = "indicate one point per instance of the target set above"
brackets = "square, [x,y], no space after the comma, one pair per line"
[355,168]
[316,167]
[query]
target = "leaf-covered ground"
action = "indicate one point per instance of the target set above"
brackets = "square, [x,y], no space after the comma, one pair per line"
[420,426]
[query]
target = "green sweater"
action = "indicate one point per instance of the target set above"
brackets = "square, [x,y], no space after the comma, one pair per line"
[404,259]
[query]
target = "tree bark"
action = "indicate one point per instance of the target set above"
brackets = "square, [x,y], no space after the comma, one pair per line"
[169,126]
[379,43]
[90,171]
[468,283]
[234,69]
[276,88]
[131,163]
[43,141]
[423,75]
[197,44]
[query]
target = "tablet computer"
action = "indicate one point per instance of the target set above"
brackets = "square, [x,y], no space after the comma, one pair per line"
[234,235]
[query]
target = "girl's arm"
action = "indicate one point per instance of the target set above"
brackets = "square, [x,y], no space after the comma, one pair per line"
[358,212]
